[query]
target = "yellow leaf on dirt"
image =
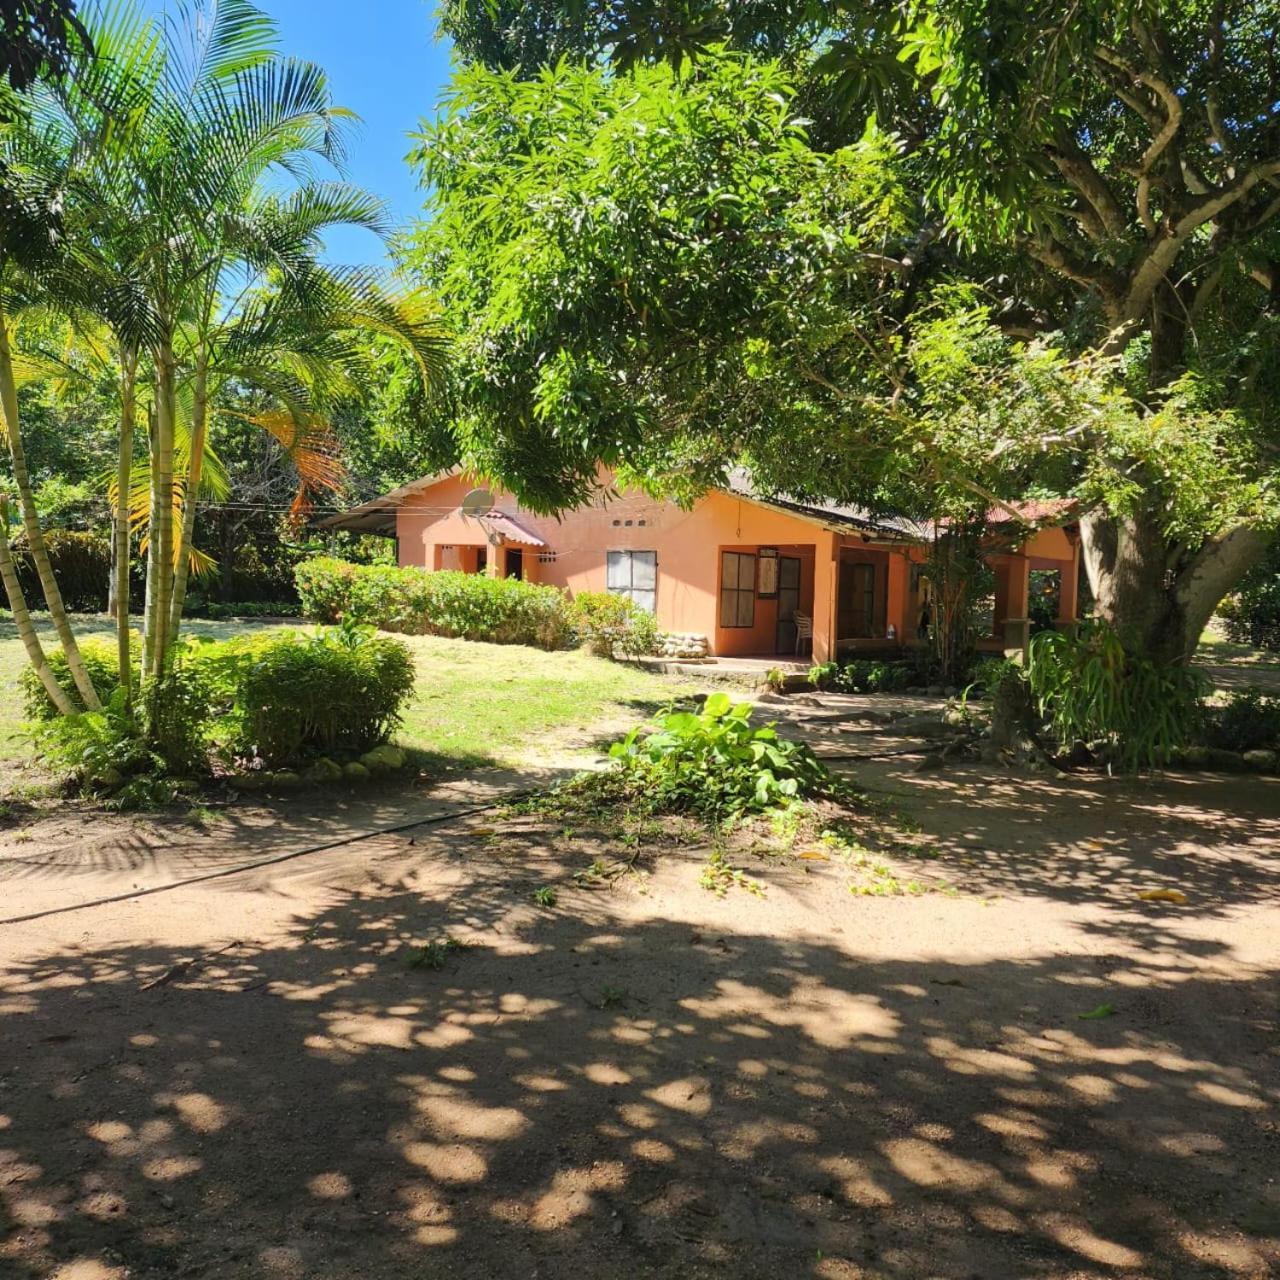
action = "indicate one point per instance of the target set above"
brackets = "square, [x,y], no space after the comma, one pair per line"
[483,831]
[812,855]
[1095,845]
[1163,895]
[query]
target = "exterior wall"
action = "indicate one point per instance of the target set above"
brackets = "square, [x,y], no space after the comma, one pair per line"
[431,533]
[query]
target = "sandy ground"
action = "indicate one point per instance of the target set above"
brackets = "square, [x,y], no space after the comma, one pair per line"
[248,1076]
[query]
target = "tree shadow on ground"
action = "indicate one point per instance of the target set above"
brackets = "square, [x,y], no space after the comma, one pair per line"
[1086,838]
[588,1094]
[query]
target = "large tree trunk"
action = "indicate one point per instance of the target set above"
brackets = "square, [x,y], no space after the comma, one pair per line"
[31,523]
[1157,595]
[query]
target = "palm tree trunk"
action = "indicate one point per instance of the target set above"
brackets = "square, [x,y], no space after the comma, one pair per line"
[31,523]
[22,620]
[124,474]
[186,534]
[149,603]
[162,507]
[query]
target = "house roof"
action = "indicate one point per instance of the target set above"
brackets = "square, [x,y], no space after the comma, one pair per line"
[378,515]
[835,516]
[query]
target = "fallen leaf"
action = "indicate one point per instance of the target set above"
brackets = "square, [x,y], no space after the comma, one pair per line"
[483,831]
[812,855]
[1163,895]
[1102,1011]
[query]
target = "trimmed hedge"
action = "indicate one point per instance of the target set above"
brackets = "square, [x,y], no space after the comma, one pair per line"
[418,602]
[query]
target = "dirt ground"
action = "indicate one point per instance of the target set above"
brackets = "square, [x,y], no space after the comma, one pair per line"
[272,1073]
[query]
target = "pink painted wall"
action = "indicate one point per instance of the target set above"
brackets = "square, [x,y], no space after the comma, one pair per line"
[431,533]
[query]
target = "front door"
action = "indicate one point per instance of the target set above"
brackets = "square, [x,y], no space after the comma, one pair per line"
[788,602]
[515,563]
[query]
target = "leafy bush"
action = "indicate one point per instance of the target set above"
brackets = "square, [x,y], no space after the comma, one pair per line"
[1249,720]
[471,606]
[861,676]
[81,564]
[334,692]
[104,750]
[717,764]
[1095,689]
[220,610]
[1252,615]
[100,662]
[611,625]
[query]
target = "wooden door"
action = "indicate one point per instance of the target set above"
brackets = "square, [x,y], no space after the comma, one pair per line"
[788,603]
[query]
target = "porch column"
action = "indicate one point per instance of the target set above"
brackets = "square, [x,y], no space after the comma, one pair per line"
[1013,625]
[826,569]
[1069,589]
[897,589]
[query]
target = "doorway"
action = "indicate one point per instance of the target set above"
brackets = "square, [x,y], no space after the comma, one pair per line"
[515,563]
[788,603]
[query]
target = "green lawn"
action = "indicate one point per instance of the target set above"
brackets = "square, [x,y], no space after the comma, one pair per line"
[475,703]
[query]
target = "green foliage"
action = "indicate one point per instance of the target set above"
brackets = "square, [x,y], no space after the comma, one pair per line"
[1095,689]
[862,676]
[100,662]
[611,625]
[178,709]
[717,764]
[81,564]
[1249,720]
[334,692]
[221,611]
[644,268]
[1252,615]
[469,605]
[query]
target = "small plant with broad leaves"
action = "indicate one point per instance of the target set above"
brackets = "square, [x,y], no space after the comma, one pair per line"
[717,763]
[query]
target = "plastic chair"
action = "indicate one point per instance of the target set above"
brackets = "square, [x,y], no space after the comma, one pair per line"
[804,630]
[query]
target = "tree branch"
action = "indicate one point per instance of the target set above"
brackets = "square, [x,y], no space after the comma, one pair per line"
[1079,171]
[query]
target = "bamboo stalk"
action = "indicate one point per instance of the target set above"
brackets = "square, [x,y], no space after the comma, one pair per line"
[31,523]
[149,604]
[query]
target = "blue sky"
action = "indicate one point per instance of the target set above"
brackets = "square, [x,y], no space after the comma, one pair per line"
[385,63]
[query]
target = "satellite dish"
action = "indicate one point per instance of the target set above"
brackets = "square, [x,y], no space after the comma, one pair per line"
[477,504]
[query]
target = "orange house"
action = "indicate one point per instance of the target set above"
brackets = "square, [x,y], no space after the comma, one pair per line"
[744,572]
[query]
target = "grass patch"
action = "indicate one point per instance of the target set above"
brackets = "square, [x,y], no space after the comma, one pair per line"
[473,704]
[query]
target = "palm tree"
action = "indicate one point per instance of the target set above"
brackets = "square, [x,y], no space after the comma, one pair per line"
[170,154]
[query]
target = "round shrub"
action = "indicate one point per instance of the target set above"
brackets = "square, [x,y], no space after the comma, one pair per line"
[337,692]
[612,625]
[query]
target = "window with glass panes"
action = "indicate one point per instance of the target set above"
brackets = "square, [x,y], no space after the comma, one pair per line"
[634,574]
[737,589]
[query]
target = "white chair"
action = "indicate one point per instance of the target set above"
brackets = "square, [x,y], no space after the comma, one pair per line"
[804,630]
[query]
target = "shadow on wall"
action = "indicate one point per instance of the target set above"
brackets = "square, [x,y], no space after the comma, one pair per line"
[597,1098]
